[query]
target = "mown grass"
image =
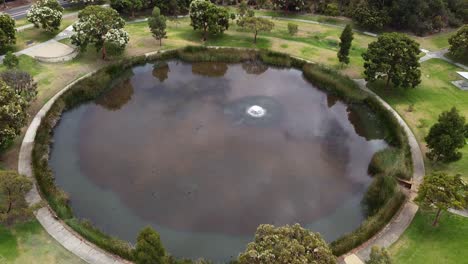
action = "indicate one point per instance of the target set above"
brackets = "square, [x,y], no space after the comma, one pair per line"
[422,243]
[29,243]
[421,106]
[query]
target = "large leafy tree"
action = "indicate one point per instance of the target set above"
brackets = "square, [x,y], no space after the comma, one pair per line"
[370,17]
[208,17]
[7,31]
[13,188]
[157,25]
[287,244]
[442,191]
[346,39]
[127,6]
[447,136]
[393,57]
[97,25]
[46,14]
[257,24]
[149,249]
[459,43]
[12,114]
[21,82]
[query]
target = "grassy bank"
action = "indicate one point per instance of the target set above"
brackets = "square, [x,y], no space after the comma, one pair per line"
[422,243]
[29,243]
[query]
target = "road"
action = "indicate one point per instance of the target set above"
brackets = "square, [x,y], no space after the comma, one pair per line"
[20,12]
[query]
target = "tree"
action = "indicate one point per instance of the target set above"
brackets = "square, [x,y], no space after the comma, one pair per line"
[149,249]
[127,6]
[442,191]
[393,56]
[257,24]
[370,17]
[447,136]
[242,9]
[290,5]
[379,255]
[346,39]
[10,61]
[96,25]
[459,43]
[157,25]
[287,244]
[293,28]
[46,14]
[7,31]
[208,17]
[21,82]
[12,114]
[13,188]
[173,7]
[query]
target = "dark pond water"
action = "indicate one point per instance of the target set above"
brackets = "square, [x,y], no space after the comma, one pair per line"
[173,146]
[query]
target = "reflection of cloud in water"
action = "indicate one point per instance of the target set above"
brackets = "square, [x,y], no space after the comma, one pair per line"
[175,159]
[210,69]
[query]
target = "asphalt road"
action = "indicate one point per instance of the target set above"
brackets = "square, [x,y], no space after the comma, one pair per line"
[20,12]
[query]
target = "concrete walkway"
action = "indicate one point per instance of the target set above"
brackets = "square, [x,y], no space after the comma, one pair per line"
[440,54]
[390,233]
[55,227]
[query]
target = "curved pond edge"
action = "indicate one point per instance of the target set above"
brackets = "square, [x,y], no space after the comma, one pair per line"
[91,253]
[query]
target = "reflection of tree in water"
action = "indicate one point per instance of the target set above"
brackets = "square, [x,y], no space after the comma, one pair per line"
[331,100]
[117,97]
[254,67]
[161,71]
[366,124]
[210,69]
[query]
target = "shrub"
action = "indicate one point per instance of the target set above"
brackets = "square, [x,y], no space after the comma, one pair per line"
[293,28]
[275,58]
[391,162]
[10,61]
[378,193]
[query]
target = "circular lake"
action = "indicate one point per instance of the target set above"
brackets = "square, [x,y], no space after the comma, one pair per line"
[205,152]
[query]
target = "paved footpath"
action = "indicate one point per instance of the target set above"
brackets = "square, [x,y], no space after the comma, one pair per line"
[390,233]
[55,227]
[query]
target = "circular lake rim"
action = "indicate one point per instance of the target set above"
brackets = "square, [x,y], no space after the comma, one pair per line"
[94,254]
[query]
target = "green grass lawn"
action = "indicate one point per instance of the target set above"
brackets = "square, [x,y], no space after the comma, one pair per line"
[435,94]
[422,243]
[29,243]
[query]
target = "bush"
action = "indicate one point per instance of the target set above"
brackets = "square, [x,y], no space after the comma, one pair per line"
[10,61]
[378,193]
[275,58]
[391,162]
[293,28]
[332,10]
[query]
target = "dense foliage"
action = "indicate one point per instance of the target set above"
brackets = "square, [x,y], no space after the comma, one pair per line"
[149,248]
[208,17]
[381,190]
[46,14]
[289,5]
[157,25]
[127,6]
[173,7]
[13,206]
[379,256]
[447,136]
[97,25]
[393,57]
[7,32]
[21,82]
[10,60]
[459,43]
[12,114]
[346,39]
[285,245]
[442,191]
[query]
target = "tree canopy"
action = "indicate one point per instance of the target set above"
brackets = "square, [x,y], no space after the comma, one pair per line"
[442,191]
[46,14]
[13,206]
[7,31]
[149,249]
[447,136]
[285,245]
[346,39]
[256,25]
[208,17]
[12,114]
[21,82]
[127,6]
[157,25]
[394,57]
[459,43]
[96,25]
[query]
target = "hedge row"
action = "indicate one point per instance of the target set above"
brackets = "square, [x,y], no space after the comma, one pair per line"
[94,86]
